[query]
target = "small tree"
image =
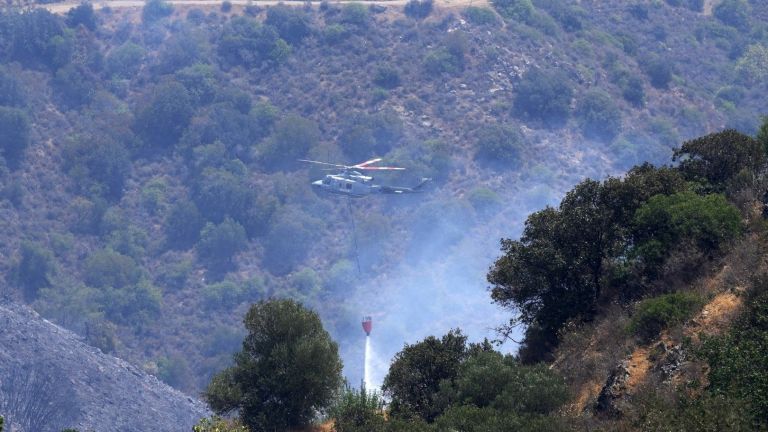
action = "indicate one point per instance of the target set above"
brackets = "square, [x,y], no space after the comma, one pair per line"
[544,96]
[155,10]
[288,369]
[499,145]
[417,371]
[14,138]
[34,269]
[163,119]
[599,116]
[418,9]
[82,14]
[219,243]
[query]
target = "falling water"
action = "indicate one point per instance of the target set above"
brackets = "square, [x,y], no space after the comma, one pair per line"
[367,380]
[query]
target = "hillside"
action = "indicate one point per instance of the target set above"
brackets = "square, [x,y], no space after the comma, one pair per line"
[51,380]
[153,192]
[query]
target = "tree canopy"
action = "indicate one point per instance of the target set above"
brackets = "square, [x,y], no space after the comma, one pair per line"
[288,369]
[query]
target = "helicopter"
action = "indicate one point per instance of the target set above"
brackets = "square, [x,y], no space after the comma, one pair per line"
[351,182]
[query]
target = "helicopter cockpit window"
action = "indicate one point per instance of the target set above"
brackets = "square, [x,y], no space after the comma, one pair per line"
[348,185]
[326,181]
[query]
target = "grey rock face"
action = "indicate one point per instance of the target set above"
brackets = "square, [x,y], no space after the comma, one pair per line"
[50,380]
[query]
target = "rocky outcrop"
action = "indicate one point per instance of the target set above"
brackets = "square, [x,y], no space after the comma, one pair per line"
[50,380]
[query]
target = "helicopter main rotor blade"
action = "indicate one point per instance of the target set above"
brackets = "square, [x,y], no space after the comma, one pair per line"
[380,168]
[325,163]
[362,164]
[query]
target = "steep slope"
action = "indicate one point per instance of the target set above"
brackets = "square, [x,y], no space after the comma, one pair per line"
[50,380]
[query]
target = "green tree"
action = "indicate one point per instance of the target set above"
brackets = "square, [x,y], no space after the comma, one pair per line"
[416,372]
[34,269]
[291,139]
[183,225]
[98,165]
[12,93]
[15,137]
[107,268]
[519,10]
[219,243]
[666,220]
[499,145]
[545,96]
[124,61]
[558,269]
[245,42]
[288,239]
[288,369]
[164,117]
[658,69]
[734,13]
[418,9]
[716,159]
[599,116]
[224,192]
[155,10]
[74,85]
[84,15]
[292,23]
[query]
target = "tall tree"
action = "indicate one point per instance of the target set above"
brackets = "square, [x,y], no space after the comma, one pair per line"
[288,369]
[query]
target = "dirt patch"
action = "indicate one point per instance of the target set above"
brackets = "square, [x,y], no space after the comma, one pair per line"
[715,316]
[638,367]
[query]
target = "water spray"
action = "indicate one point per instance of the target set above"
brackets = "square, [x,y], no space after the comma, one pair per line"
[367,357]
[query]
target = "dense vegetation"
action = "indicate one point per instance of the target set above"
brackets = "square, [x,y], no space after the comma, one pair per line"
[150,192]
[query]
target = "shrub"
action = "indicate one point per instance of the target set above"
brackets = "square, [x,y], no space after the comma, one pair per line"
[34,269]
[219,243]
[658,69]
[335,33]
[356,14]
[418,9]
[442,61]
[544,95]
[107,268]
[519,10]
[599,116]
[291,139]
[358,411]
[655,314]
[499,145]
[226,6]
[245,42]
[15,136]
[292,23]
[666,220]
[12,93]
[288,240]
[632,90]
[479,15]
[98,165]
[163,119]
[736,359]
[74,85]
[734,13]
[124,61]
[82,14]
[183,225]
[386,77]
[752,67]
[155,10]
